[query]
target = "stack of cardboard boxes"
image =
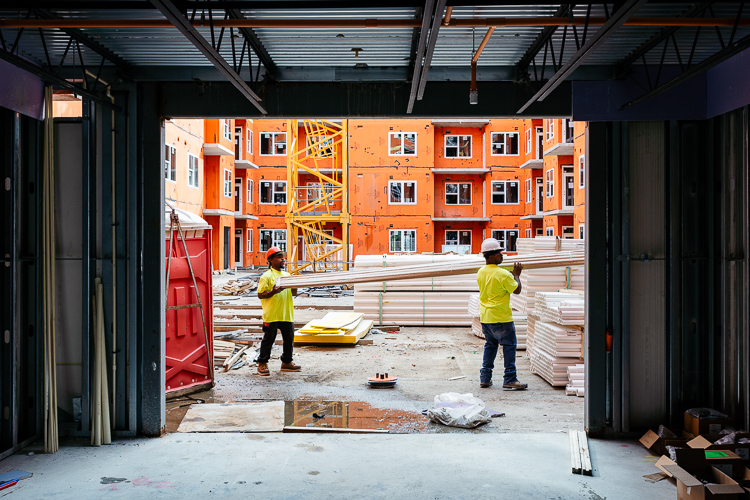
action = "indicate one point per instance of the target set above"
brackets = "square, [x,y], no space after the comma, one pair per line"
[707,459]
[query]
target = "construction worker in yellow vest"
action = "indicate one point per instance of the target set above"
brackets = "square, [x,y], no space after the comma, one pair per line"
[495,286]
[278,313]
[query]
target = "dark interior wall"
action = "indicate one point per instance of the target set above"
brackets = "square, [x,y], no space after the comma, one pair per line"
[672,248]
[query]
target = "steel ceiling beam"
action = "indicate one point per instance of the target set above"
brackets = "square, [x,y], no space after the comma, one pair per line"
[595,41]
[98,5]
[541,39]
[429,8]
[168,9]
[88,42]
[437,20]
[255,43]
[622,67]
[699,68]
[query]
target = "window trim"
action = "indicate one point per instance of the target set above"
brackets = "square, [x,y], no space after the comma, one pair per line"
[550,231]
[581,231]
[504,241]
[273,193]
[527,233]
[197,168]
[529,196]
[529,141]
[249,140]
[249,240]
[492,142]
[228,182]
[228,129]
[402,193]
[273,144]
[550,129]
[458,237]
[572,232]
[172,164]
[238,131]
[458,197]
[403,240]
[249,194]
[582,172]
[549,189]
[274,241]
[402,153]
[457,146]
[492,192]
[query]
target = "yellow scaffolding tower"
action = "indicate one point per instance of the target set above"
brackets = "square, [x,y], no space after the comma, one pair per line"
[316,209]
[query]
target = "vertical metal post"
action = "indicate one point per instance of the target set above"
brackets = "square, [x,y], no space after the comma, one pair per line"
[134,361]
[624,253]
[86,133]
[673,364]
[616,263]
[152,395]
[597,144]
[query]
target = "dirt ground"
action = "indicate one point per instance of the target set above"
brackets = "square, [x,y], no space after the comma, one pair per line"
[423,358]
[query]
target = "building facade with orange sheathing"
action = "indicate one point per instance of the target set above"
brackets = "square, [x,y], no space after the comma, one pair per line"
[415,185]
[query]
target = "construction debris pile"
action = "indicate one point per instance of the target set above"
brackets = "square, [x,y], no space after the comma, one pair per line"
[236,287]
[230,354]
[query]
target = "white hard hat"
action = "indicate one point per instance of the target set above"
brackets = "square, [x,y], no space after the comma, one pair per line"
[490,244]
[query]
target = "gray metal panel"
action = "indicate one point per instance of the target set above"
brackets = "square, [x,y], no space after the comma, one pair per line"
[68,214]
[647,382]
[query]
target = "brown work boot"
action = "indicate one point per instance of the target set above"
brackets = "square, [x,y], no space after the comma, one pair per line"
[518,386]
[263,370]
[290,367]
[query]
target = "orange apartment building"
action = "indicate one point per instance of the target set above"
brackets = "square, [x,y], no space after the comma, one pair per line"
[415,185]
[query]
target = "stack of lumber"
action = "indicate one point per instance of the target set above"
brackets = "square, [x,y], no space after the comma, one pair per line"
[476,325]
[235,287]
[575,381]
[228,353]
[561,307]
[335,328]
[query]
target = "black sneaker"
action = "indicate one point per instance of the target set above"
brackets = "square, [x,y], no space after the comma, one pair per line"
[518,386]
[485,385]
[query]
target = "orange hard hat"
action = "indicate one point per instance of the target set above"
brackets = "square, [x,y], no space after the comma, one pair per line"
[273,250]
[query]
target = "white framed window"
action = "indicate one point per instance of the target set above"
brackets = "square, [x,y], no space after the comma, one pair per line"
[249,141]
[272,192]
[227,183]
[458,193]
[505,192]
[273,143]
[529,192]
[193,171]
[402,193]
[507,238]
[457,237]
[550,129]
[550,231]
[458,146]
[272,238]
[228,129]
[170,163]
[568,130]
[402,240]
[527,234]
[249,243]
[550,179]
[581,231]
[582,171]
[402,144]
[529,140]
[249,191]
[568,233]
[504,143]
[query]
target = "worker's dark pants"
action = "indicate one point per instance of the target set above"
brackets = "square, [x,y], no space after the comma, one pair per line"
[499,334]
[269,336]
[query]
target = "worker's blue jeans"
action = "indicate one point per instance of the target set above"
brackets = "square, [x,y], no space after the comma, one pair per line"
[499,334]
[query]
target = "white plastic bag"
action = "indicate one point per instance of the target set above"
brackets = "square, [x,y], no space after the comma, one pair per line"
[459,410]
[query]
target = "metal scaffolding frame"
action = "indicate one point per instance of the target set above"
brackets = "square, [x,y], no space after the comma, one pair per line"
[311,212]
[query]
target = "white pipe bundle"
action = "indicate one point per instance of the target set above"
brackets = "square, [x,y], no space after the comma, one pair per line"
[576,381]
[550,368]
[414,308]
[560,307]
[555,347]
[545,280]
[467,265]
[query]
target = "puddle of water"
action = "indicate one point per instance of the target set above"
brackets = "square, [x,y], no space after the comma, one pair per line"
[352,415]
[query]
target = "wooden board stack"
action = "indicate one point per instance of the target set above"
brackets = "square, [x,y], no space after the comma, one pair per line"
[575,381]
[235,287]
[228,353]
[518,319]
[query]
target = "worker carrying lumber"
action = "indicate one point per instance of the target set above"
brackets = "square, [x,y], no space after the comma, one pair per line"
[495,286]
[278,313]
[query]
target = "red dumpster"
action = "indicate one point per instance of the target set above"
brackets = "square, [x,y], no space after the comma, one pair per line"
[189,359]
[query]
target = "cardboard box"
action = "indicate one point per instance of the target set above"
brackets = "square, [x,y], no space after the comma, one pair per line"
[695,460]
[690,488]
[742,450]
[696,426]
[658,445]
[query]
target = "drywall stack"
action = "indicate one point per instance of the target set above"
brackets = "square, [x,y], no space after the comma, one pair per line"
[476,325]
[575,381]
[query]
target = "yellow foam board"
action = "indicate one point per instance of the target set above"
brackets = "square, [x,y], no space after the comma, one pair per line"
[336,319]
[347,338]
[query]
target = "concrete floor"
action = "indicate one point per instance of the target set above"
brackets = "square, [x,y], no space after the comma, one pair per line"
[332,466]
